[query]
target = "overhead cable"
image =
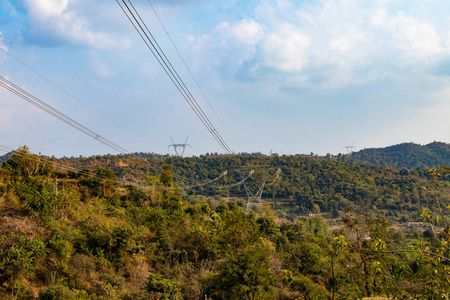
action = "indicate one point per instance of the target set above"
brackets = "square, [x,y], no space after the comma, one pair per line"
[206,183]
[143,31]
[60,166]
[65,92]
[13,88]
[192,75]
[8,85]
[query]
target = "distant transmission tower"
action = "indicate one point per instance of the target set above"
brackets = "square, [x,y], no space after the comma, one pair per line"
[182,146]
[349,149]
[254,200]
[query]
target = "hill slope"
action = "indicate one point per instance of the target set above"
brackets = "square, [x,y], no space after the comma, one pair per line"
[306,184]
[76,235]
[407,155]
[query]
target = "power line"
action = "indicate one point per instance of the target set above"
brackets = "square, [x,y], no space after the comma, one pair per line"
[63,91]
[60,166]
[49,161]
[143,31]
[235,184]
[170,71]
[8,85]
[192,75]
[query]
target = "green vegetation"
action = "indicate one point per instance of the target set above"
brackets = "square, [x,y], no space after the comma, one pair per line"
[73,235]
[407,155]
[319,185]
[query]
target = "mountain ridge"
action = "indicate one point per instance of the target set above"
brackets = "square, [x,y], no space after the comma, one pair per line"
[406,155]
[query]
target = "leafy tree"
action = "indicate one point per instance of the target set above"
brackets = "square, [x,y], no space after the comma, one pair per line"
[61,292]
[245,275]
[24,163]
[163,288]
[166,177]
[267,226]
[108,180]
[20,259]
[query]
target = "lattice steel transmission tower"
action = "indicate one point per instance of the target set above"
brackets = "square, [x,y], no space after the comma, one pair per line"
[349,149]
[182,146]
[254,200]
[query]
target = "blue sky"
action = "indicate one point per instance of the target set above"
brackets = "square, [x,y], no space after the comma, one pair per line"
[287,76]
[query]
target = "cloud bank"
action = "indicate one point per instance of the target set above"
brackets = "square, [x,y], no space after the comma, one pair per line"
[58,22]
[331,43]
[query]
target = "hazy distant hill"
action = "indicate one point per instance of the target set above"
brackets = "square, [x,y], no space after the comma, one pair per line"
[5,157]
[407,155]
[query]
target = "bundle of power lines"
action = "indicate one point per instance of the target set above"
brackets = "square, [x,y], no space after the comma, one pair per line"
[8,85]
[142,29]
[57,114]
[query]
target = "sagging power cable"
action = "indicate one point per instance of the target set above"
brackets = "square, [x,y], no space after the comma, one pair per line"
[8,85]
[143,31]
[192,75]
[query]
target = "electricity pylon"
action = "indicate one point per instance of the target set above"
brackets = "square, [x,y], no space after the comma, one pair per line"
[182,146]
[254,200]
[349,149]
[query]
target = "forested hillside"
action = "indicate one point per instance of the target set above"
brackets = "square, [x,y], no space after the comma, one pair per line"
[407,155]
[307,184]
[82,235]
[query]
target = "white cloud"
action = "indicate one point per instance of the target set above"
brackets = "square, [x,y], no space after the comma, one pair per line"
[341,42]
[410,35]
[245,32]
[227,46]
[56,22]
[286,50]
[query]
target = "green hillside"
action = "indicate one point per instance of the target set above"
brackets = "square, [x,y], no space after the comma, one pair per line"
[68,234]
[407,155]
[306,184]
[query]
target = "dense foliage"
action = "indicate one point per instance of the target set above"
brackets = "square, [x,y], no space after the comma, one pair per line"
[406,155]
[80,235]
[307,184]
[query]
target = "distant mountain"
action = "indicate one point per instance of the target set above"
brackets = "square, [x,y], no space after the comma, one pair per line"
[406,155]
[5,157]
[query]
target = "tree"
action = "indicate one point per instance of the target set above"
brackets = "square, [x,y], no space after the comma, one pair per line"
[20,259]
[166,177]
[24,163]
[245,275]
[108,180]
[246,270]
[163,288]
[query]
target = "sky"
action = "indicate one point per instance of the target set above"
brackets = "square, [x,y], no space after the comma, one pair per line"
[291,77]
